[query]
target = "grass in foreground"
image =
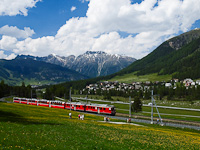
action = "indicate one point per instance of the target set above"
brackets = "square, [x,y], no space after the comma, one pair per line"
[32,127]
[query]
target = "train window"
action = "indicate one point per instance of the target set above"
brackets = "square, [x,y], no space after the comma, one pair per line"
[101,108]
[104,109]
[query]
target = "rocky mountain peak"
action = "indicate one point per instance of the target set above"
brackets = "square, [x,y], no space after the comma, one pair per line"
[91,63]
[179,41]
[94,52]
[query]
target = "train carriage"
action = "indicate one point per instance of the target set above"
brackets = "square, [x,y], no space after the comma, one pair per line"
[16,100]
[23,101]
[91,108]
[79,106]
[101,108]
[57,104]
[69,105]
[34,102]
[44,103]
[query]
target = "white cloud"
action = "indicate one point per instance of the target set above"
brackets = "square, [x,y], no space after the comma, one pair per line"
[83,1]
[8,43]
[11,56]
[15,32]
[73,8]
[8,57]
[2,55]
[153,21]
[15,7]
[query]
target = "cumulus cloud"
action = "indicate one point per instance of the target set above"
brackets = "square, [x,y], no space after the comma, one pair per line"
[8,43]
[15,32]
[151,21]
[73,8]
[8,57]
[15,7]
[2,55]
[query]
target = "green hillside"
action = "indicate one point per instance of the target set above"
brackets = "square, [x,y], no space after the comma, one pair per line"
[30,71]
[177,57]
[33,127]
[133,77]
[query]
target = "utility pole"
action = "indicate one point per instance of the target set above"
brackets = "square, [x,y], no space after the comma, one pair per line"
[130,106]
[152,107]
[154,103]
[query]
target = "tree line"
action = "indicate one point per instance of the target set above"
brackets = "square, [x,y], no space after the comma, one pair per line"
[19,91]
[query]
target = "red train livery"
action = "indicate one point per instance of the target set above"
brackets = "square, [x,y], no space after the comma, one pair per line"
[77,106]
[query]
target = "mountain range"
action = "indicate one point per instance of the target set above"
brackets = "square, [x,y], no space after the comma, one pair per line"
[54,69]
[91,63]
[30,71]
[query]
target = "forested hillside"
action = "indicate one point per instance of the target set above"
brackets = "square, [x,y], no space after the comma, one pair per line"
[18,70]
[177,56]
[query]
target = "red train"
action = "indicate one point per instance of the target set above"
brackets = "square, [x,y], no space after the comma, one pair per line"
[95,108]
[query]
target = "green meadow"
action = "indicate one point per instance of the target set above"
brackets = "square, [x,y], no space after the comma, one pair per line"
[132,77]
[33,127]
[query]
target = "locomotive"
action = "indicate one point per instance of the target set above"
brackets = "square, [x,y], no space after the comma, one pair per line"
[76,106]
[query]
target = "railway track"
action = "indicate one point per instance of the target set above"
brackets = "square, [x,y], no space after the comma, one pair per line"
[164,120]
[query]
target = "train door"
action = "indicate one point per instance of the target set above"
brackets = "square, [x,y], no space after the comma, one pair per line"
[98,110]
[74,107]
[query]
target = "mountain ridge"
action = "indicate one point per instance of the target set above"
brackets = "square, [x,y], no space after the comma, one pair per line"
[18,70]
[91,63]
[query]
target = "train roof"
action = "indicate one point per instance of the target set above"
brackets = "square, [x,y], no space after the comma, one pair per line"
[100,105]
[91,104]
[76,103]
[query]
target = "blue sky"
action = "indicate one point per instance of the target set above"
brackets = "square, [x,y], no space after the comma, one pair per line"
[129,27]
[47,17]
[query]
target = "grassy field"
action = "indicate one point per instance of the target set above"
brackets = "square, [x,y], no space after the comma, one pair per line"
[32,127]
[129,78]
